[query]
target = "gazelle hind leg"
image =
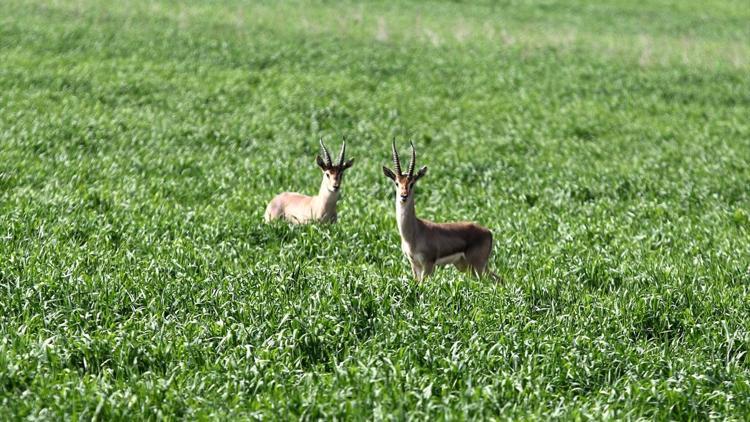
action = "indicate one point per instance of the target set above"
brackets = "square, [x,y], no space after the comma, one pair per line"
[479,256]
[272,212]
[275,209]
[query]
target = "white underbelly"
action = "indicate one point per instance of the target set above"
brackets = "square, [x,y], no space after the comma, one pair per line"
[450,259]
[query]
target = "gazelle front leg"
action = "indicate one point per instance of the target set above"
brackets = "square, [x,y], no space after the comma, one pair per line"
[417,272]
[422,269]
[427,269]
[415,268]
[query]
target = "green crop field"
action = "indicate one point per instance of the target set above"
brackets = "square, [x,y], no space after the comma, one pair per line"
[606,144]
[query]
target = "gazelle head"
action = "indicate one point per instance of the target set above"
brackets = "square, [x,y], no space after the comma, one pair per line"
[334,174]
[404,182]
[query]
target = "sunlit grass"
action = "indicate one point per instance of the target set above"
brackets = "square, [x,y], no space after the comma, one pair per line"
[605,146]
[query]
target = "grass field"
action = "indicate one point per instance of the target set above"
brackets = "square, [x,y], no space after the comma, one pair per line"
[605,144]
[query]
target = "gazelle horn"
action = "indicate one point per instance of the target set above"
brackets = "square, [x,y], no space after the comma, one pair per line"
[396,161]
[413,160]
[342,153]
[326,154]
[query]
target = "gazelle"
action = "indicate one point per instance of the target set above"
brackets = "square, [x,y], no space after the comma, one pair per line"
[300,209]
[426,244]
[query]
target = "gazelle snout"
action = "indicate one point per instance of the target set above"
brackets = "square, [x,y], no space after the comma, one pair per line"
[403,192]
[333,180]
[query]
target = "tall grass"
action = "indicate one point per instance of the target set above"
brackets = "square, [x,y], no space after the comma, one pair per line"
[606,146]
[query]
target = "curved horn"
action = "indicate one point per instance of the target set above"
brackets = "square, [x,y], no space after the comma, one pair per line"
[413,159]
[396,161]
[342,153]
[326,154]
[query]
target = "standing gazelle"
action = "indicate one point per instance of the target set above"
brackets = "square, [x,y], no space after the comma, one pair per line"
[300,209]
[426,244]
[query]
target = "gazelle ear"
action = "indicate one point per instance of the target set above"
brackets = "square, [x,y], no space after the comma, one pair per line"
[321,163]
[421,173]
[348,164]
[388,173]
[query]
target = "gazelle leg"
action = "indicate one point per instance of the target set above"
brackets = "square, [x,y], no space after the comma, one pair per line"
[478,267]
[415,268]
[461,265]
[479,257]
[427,269]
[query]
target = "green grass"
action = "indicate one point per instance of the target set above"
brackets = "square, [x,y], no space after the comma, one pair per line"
[605,144]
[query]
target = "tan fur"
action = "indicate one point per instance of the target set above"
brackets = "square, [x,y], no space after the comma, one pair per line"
[426,244]
[297,208]
[301,209]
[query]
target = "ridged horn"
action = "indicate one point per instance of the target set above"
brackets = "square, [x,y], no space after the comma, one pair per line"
[396,161]
[413,159]
[326,154]
[342,153]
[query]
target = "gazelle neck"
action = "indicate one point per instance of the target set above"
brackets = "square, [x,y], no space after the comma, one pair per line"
[325,198]
[406,218]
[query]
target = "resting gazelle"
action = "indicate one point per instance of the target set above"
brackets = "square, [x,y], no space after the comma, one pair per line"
[300,209]
[426,244]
